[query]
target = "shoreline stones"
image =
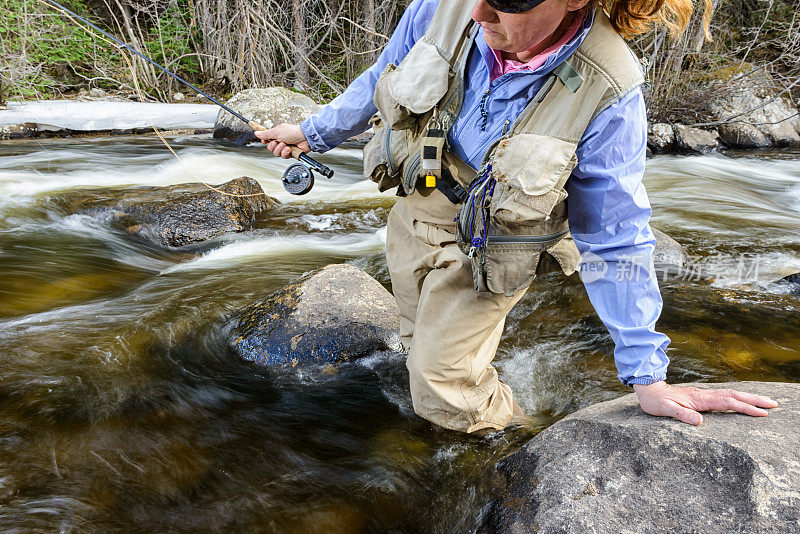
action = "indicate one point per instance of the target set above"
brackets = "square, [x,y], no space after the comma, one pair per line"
[334,314]
[769,119]
[269,107]
[176,215]
[612,468]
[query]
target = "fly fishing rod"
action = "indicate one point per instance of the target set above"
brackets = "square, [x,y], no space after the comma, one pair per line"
[298,179]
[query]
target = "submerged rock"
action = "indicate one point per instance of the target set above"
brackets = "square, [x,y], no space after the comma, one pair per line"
[268,107]
[613,468]
[694,140]
[334,314]
[177,215]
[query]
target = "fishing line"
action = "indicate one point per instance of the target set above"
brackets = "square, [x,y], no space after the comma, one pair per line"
[290,178]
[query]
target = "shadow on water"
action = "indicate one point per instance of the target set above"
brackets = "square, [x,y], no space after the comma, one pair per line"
[197,440]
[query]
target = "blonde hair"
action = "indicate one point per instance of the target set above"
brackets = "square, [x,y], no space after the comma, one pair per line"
[633,17]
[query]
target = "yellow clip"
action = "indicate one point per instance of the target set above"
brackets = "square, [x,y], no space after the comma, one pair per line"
[430,181]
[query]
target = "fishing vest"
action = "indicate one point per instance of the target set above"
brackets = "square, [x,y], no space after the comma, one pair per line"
[515,207]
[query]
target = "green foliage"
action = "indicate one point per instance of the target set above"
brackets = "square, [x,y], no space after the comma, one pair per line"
[170,41]
[45,53]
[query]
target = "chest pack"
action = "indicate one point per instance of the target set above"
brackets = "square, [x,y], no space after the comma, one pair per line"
[515,207]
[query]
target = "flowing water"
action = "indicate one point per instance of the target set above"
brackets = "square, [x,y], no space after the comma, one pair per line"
[122,408]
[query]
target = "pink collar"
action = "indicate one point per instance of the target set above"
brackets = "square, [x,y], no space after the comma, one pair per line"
[502,66]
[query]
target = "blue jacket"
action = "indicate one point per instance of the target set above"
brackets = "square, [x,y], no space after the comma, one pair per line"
[608,205]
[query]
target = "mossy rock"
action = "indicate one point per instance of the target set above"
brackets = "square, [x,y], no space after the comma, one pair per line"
[335,314]
[176,215]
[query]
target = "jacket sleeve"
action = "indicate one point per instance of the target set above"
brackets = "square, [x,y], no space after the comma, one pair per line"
[609,216]
[348,114]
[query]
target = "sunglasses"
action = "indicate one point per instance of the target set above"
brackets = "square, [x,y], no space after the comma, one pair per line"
[513,6]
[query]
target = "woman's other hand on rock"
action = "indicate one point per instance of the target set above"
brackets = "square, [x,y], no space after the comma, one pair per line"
[279,139]
[686,403]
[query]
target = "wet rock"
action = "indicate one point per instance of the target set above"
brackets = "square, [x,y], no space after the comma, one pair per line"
[177,215]
[694,140]
[334,314]
[613,468]
[668,254]
[792,282]
[268,107]
[769,119]
[661,138]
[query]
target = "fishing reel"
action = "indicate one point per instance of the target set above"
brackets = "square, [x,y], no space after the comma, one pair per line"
[298,178]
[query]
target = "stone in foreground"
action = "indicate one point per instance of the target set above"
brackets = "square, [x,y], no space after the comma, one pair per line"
[613,468]
[177,215]
[338,313]
[269,107]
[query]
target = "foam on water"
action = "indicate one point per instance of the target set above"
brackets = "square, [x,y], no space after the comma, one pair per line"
[257,246]
[23,177]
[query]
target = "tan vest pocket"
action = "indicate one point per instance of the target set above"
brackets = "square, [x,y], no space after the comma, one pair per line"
[506,269]
[411,89]
[533,163]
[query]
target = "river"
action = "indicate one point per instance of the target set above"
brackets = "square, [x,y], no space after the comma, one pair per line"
[123,408]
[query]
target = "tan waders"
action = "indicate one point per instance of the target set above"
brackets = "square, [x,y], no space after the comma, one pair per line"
[450,330]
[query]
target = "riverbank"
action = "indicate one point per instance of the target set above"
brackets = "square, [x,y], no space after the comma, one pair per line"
[749,114]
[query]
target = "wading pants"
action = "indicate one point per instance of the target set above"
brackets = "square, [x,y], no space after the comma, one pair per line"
[451,331]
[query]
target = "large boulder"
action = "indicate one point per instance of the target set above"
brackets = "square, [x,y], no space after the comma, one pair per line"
[691,140]
[338,313]
[758,116]
[176,215]
[613,468]
[268,107]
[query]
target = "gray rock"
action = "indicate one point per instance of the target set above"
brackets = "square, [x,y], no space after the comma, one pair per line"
[694,140]
[772,121]
[661,138]
[176,215]
[792,283]
[334,314]
[268,107]
[613,468]
[668,254]
[178,97]
[97,92]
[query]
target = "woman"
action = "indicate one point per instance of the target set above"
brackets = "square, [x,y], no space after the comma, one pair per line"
[512,106]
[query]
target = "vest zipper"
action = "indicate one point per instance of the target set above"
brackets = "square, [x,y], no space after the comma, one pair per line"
[525,239]
[484,113]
